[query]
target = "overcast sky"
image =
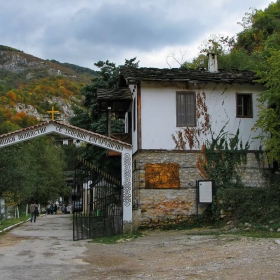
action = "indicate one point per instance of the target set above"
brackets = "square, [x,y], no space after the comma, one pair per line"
[83,32]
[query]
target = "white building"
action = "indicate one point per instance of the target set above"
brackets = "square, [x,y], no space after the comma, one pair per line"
[162,103]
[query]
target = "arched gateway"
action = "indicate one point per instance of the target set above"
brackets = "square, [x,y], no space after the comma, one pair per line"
[102,141]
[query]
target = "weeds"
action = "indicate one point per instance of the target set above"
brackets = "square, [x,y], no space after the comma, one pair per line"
[120,238]
[10,222]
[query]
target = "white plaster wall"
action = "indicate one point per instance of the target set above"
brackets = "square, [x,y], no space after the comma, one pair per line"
[158,117]
[158,106]
[222,109]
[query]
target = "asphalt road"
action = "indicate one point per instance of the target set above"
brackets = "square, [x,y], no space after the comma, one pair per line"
[41,250]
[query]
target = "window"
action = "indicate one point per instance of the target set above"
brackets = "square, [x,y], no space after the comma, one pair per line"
[186,108]
[244,105]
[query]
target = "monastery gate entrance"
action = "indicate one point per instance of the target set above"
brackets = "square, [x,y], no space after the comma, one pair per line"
[107,195]
[97,206]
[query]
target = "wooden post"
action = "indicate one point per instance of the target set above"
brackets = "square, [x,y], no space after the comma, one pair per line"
[109,122]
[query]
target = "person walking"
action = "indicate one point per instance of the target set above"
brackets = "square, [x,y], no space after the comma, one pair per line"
[63,207]
[37,211]
[51,208]
[55,209]
[33,213]
[68,209]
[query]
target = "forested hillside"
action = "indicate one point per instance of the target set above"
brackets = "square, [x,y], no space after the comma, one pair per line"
[30,86]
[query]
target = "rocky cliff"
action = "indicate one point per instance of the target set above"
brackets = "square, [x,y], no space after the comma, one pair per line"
[32,85]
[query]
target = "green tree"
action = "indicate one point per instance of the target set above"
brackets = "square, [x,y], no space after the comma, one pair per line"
[259,27]
[48,166]
[269,117]
[13,169]
[33,170]
[255,48]
[91,119]
[261,38]
[229,57]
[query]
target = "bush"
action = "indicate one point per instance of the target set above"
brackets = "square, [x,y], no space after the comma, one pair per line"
[256,205]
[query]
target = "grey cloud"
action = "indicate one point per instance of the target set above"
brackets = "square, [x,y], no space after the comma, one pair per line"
[244,6]
[85,31]
[125,26]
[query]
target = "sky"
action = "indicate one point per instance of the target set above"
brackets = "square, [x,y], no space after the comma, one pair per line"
[83,32]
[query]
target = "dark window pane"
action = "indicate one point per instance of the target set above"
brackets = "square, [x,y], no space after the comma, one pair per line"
[186,108]
[244,105]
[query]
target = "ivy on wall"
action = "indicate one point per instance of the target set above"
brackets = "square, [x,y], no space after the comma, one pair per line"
[222,158]
[191,135]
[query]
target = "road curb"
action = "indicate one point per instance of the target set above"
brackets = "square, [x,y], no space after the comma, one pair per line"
[15,225]
[12,226]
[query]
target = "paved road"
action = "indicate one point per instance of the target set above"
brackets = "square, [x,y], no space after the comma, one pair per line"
[45,251]
[41,250]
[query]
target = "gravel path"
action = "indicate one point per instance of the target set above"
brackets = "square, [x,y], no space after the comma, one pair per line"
[45,250]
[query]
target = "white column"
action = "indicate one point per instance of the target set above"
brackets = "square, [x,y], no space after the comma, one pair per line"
[127,189]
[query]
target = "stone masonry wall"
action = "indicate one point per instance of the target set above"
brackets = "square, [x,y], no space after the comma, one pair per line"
[157,207]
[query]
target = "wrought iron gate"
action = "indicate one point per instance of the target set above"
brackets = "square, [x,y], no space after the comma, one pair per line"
[96,203]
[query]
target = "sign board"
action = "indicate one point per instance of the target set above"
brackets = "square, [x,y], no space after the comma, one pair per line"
[205,191]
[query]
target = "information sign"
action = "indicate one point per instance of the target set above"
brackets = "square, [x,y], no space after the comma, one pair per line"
[205,191]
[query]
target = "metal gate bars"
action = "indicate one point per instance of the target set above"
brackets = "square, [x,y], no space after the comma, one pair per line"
[96,203]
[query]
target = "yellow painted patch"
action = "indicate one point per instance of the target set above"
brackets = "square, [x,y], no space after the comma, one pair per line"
[162,176]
